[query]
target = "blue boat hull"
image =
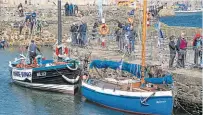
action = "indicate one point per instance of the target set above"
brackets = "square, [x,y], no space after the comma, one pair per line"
[162,105]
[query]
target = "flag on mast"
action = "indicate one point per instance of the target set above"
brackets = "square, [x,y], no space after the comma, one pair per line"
[121,63]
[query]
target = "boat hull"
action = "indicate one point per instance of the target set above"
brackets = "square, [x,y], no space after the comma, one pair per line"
[47,79]
[130,102]
[66,89]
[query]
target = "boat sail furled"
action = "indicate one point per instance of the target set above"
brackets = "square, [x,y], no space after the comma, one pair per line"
[59,76]
[138,94]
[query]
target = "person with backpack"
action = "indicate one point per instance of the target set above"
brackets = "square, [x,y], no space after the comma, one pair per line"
[181,49]
[197,46]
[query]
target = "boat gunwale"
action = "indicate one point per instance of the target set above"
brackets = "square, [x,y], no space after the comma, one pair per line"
[128,94]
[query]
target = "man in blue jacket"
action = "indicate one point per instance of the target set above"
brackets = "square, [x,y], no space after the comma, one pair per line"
[83,30]
[32,51]
[70,9]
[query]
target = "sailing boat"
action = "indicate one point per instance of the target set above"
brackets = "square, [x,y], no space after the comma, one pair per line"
[129,94]
[58,76]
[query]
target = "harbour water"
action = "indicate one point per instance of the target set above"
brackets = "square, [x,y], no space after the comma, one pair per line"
[184,19]
[16,100]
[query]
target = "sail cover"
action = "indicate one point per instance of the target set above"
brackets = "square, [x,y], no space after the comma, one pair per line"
[167,79]
[134,69]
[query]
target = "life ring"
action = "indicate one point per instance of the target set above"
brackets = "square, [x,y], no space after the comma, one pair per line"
[65,50]
[103,29]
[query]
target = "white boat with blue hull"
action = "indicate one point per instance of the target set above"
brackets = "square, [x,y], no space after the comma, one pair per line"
[143,99]
[61,77]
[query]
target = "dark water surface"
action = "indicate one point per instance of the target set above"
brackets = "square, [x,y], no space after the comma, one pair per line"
[184,19]
[16,100]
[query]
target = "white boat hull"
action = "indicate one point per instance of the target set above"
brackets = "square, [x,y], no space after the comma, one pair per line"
[67,89]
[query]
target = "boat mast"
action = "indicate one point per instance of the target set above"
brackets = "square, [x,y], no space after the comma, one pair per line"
[59,29]
[144,31]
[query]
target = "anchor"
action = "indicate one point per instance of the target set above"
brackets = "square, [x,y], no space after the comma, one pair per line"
[144,101]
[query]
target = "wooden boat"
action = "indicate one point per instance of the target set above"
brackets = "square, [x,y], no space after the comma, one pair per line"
[144,95]
[128,97]
[47,75]
[59,75]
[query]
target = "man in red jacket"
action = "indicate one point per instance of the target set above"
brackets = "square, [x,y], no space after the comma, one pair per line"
[181,49]
[197,46]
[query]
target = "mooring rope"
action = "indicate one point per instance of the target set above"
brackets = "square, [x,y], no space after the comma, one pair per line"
[183,108]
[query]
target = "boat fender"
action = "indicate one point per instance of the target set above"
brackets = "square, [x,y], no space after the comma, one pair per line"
[73,69]
[71,80]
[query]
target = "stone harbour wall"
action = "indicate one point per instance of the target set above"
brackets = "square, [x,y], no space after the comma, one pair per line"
[188,89]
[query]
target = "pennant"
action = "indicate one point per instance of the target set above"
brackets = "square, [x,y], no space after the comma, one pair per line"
[121,63]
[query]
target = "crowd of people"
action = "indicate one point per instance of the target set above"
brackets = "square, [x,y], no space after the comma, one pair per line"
[79,34]
[125,37]
[71,9]
[31,23]
[180,48]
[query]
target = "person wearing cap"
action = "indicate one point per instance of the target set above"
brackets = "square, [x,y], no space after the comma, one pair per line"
[32,51]
[172,48]
[197,46]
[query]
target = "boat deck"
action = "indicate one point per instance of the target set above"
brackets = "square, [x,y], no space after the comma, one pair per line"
[108,85]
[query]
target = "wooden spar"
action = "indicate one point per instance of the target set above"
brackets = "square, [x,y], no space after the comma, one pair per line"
[59,29]
[144,31]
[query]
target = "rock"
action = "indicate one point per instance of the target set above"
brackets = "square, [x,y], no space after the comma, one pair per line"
[166,12]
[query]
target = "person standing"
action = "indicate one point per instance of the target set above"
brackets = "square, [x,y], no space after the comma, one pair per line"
[66,9]
[71,9]
[76,9]
[172,48]
[20,8]
[94,31]
[74,29]
[21,25]
[197,46]
[181,48]
[32,23]
[32,48]
[39,27]
[83,32]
